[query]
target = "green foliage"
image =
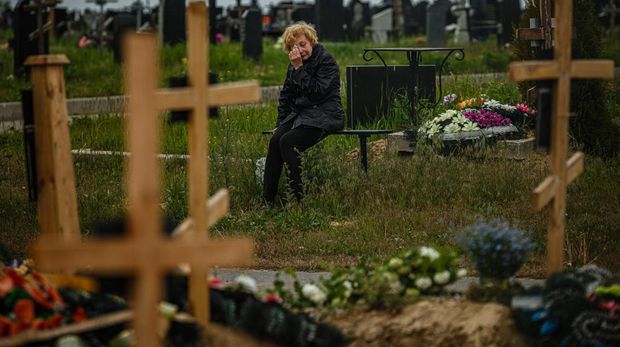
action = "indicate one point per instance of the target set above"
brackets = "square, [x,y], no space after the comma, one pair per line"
[378,284]
[592,128]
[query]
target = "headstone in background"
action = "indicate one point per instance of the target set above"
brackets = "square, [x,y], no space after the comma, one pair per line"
[303,12]
[382,26]
[329,20]
[461,10]
[509,15]
[358,18]
[419,16]
[173,21]
[233,25]
[24,23]
[212,22]
[61,21]
[436,14]
[252,34]
[123,22]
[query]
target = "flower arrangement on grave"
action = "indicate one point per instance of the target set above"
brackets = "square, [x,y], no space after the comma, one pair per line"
[450,121]
[401,279]
[29,302]
[573,308]
[520,115]
[497,249]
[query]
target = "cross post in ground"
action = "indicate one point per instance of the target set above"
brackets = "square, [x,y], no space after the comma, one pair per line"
[561,69]
[145,252]
[57,201]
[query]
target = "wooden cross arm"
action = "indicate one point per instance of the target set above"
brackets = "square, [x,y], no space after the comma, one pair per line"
[234,93]
[574,167]
[549,69]
[113,256]
[530,34]
[545,192]
[217,208]
[184,98]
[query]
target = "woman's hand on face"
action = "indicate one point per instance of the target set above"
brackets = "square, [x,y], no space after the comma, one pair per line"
[295,57]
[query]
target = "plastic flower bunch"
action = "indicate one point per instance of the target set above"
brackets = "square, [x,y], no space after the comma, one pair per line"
[29,302]
[451,121]
[471,103]
[497,249]
[426,270]
[486,119]
[520,114]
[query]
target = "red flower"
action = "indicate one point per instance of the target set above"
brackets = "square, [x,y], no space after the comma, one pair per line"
[6,285]
[272,298]
[79,315]
[24,311]
[18,280]
[216,283]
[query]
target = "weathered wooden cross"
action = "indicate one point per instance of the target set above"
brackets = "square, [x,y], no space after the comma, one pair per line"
[145,252]
[42,28]
[561,69]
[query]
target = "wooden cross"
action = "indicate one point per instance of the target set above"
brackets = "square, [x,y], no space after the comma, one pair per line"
[56,200]
[561,70]
[543,33]
[40,6]
[145,252]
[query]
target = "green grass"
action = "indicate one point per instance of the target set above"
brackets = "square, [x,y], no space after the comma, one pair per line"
[92,74]
[401,202]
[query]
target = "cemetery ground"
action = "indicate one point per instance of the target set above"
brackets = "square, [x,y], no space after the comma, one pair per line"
[90,74]
[401,203]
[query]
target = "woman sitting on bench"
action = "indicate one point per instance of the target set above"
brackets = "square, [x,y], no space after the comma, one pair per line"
[309,107]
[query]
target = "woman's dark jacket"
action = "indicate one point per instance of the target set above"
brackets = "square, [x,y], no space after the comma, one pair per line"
[311,94]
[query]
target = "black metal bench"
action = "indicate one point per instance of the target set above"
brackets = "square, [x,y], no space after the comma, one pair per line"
[363,135]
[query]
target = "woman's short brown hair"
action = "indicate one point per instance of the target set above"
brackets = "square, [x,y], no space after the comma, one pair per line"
[293,31]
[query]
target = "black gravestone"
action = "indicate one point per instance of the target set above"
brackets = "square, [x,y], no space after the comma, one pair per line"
[543,117]
[252,33]
[173,21]
[212,21]
[436,14]
[123,22]
[303,12]
[418,17]
[358,18]
[509,15]
[61,21]
[372,89]
[24,23]
[330,20]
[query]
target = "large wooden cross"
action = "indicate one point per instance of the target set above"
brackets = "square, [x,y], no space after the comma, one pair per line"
[561,70]
[145,252]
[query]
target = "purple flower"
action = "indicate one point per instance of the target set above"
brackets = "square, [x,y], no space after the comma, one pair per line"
[449,98]
[486,119]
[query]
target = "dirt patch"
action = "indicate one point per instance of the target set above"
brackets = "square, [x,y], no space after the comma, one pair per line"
[433,322]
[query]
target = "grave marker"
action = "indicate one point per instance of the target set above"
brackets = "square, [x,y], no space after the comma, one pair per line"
[145,251]
[561,70]
[25,23]
[436,14]
[252,33]
[329,20]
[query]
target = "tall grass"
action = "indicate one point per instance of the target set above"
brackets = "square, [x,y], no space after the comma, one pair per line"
[401,202]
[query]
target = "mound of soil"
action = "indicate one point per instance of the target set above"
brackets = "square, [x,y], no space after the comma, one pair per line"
[432,322]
